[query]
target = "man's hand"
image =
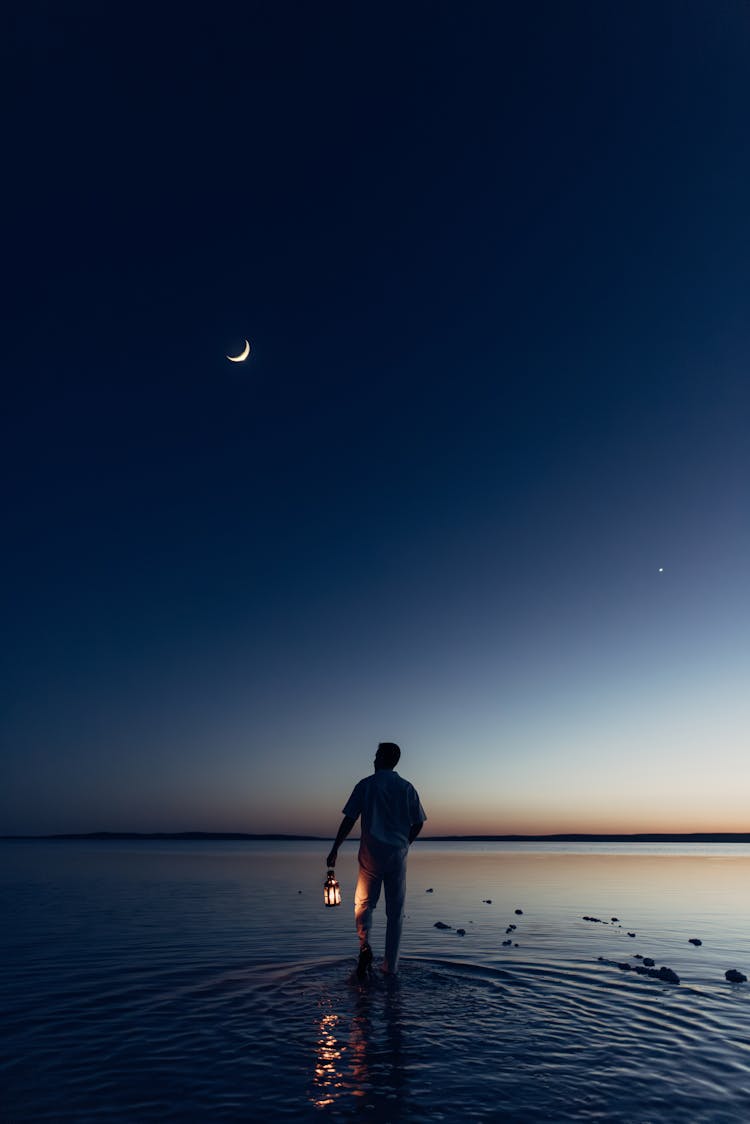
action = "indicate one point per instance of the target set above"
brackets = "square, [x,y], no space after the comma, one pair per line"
[331,860]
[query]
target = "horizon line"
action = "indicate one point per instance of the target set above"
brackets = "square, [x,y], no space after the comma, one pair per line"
[558,837]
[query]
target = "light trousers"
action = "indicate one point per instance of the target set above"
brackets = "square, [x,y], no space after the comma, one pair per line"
[381,866]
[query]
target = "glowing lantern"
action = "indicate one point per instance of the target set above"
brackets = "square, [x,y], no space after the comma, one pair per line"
[331,890]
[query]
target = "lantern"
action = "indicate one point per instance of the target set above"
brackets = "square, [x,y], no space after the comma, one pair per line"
[331,890]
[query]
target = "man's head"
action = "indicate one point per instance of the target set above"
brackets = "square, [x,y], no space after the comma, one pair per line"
[387,755]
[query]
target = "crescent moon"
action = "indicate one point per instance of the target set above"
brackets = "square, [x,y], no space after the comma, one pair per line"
[242,356]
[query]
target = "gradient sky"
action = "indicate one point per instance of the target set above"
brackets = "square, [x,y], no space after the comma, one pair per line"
[494,264]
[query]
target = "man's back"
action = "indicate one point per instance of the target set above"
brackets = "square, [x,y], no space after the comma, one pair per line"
[388,804]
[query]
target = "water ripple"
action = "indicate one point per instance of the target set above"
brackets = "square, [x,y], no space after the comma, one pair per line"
[527,1042]
[146,988]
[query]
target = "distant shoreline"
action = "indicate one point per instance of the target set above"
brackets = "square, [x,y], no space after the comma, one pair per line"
[237,836]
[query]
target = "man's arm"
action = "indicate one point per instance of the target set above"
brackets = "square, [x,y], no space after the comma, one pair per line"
[414,831]
[346,826]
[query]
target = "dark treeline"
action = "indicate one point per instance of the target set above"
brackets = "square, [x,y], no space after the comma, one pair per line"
[573,837]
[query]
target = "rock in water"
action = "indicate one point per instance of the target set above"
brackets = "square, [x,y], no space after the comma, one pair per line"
[441,925]
[665,974]
[430,891]
[695,941]
[460,932]
[734,976]
[519,912]
[648,961]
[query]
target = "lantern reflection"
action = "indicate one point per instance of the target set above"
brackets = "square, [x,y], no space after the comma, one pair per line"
[369,1073]
[328,1075]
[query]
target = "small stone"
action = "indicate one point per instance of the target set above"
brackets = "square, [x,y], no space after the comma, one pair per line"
[442,925]
[631,934]
[507,943]
[515,945]
[648,961]
[665,974]
[625,967]
[637,956]
[518,912]
[460,932]
[487,901]
[734,976]
[695,941]
[614,918]
[430,891]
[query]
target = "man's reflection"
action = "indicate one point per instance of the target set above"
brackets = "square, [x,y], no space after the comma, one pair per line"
[370,1071]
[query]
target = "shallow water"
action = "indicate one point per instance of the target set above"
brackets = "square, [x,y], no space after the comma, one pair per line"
[184,981]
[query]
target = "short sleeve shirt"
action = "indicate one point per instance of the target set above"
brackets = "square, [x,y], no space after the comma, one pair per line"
[388,804]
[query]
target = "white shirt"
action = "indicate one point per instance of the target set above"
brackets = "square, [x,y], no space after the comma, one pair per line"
[388,804]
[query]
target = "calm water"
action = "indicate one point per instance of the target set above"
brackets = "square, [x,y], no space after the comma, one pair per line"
[206,981]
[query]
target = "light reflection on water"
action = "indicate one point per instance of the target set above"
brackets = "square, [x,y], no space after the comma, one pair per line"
[195,981]
[328,1078]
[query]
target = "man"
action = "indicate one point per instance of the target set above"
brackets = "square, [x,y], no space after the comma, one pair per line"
[392,818]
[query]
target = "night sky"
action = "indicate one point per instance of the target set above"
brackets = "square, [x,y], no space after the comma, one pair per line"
[481,487]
